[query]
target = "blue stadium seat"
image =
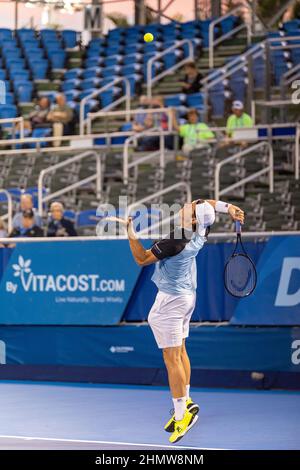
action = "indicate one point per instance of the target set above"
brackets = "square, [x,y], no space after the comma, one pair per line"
[48,34]
[70,38]
[131,69]
[72,95]
[72,74]
[19,74]
[71,84]
[112,61]
[92,72]
[39,69]
[111,72]
[25,33]
[40,132]
[86,218]
[57,59]
[90,83]
[195,100]
[5,33]
[9,98]
[7,111]
[174,100]
[24,91]
[132,58]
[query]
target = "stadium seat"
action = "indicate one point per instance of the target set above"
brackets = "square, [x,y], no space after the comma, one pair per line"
[57,59]
[69,38]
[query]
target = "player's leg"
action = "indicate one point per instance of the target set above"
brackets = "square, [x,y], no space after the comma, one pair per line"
[166,321]
[191,301]
[191,406]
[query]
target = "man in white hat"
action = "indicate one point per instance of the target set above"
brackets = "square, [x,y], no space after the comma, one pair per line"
[175,277]
[238,119]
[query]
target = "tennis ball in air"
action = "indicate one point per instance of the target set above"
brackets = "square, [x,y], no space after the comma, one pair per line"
[148,37]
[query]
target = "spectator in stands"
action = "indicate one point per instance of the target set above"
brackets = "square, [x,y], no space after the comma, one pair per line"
[58,225]
[28,227]
[195,134]
[238,119]
[144,121]
[61,115]
[38,117]
[192,79]
[141,122]
[26,203]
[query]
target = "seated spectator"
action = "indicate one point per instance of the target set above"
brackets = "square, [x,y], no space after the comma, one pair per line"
[192,80]
[26,204]
[195,134]
[238,119]
[38,117]
[28,227]
[143,122]
[61,115]
[58,225]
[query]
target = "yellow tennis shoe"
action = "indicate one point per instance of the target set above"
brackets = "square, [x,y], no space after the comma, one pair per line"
[183,426]
[191,407]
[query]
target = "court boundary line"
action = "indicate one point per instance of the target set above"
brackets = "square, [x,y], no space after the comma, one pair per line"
[87,441]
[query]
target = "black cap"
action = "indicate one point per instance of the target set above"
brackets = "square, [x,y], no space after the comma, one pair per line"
[28,213]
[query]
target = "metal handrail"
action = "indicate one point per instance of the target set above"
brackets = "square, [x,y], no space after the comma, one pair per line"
[213,43]
[8,216]
[217,76]
[161,192]
[242,182]
[131,112]
[151,80]
[126,98]
[19,119]
[155,131]
[50,169]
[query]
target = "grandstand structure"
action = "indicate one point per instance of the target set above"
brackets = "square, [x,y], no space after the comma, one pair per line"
[102,82]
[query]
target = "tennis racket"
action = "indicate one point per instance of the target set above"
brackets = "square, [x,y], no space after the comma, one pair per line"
[240,276]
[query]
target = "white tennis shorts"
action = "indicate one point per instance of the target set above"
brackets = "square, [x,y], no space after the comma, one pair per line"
[169,318]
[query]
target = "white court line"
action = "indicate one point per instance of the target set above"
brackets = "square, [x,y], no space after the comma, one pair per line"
[52,439]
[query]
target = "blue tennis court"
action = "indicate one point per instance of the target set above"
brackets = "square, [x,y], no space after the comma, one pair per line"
[81,416]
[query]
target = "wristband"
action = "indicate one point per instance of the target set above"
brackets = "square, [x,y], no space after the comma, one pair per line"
[222,207]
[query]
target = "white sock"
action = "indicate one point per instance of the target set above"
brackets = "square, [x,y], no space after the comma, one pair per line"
[179,406]
[187,392]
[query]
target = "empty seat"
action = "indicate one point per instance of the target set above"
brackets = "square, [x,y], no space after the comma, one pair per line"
[70,38]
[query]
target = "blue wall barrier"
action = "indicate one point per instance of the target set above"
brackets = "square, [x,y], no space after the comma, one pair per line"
[98,283]
[220,355]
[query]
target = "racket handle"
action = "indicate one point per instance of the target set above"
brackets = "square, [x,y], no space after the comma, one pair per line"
[238,226]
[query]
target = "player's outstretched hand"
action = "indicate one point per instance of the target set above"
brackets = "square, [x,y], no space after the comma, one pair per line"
[236,213]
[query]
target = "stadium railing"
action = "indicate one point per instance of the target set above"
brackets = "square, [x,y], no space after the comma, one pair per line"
[127,114]
[151,80]
[269,169]
[215,42]
[261,49]
[126,97]
[95,177]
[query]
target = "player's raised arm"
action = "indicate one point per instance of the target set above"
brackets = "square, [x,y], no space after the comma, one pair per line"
[224,207]
[142,256]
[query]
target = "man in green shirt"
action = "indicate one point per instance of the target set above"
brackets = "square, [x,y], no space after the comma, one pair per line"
[195,134]
[238,119]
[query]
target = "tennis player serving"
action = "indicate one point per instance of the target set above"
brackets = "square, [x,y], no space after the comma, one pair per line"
[175,277]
